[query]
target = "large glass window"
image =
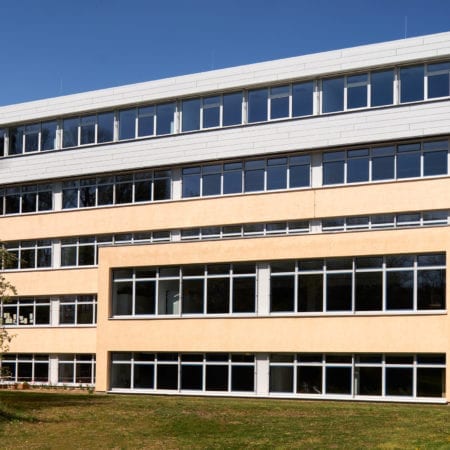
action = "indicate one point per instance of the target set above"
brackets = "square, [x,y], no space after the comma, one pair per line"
[357,91]
[190,111]
[382,88]
[438,80]
[411,84]
[257,105]
[302,99]
[333,94]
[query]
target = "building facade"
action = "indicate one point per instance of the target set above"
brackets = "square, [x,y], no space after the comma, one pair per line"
[273,230]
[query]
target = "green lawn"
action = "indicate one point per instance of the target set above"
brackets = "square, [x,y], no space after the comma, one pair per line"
[64,420]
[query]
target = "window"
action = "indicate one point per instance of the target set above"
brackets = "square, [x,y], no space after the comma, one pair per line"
[257,105]
[333,94]
[210,372]
[438,82]
[357,92]
[26,311]
[81,251]
[382,88]
[29,255]
[212,289]
[76,369]
[411,160]
[119,189]
[358,376]
[78,310]
[279,102]
[26,199]
[24,367]
[248,176]
[232,109]
[302,99]
[31,138]
[411,84]
[401,283]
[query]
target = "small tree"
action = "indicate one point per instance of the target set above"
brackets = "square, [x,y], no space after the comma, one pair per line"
[6,291]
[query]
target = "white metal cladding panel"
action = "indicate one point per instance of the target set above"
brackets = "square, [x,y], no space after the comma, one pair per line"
[319,64]
[363,127]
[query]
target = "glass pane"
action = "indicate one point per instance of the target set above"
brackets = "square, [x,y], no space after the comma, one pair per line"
[87,130]
[369,291]
[381,88]
[430,382]
[216,378]
[122,299]
[438,85]
[70,132]
[408,165]
[382,168]
[399,381]
[281,379]
[302,99]
[332,95]
[357,170]
[191,184]
[431,289]
[435,163]
[105,127]
[242,378]
[338,380]
[411,84]
[369,381]
[145,297]
[309,380]
[339,292]
[276,177]
[333,172]
[257,105]
[191,114]
[165,118]
[146,121]
[232,109]
[356,96]
[282,293]
[127,124]
[218,295]
[48,135]
[244,295]
[191,377]
[192,300]
[310,293]
[399,291]
[167,376]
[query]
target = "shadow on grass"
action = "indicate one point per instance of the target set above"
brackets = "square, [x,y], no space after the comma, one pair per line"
[20,405]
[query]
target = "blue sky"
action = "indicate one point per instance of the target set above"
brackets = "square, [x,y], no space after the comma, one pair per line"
[58,47]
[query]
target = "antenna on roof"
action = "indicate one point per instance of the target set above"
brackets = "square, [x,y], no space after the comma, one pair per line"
[213,54]
[406,26]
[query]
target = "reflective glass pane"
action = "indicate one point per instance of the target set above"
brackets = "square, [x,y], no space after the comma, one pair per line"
[165,114]
[105,127]
[127,124]
[257,105]
[232,109]
[302,99]
[411,84]
[435,163]
[70,132]
[382,88]
[332,95]
[190,114]
[438,85]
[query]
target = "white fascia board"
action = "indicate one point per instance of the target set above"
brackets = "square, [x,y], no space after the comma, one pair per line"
[357,128]
[301,67]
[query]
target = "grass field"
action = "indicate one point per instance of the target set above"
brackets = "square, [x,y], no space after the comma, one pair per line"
[35,420]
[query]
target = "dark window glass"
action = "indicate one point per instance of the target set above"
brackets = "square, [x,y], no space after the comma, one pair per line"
[216,378]
[87,196]
[15,140]
[27,260]
[190,114]
[105,194]
[254,176]
[431,289]
[333,168]
[67,314]
[357,91]
[122,299]
[211,180]
[144,375]
[411,83]
[369,291]
[105,127]
[211,112]
[399,381]
[310,293]
[243,295]
[282,293]
[332,95]
[302,99]
[65,372]
[257,105]
[127,124]
[165,118]
[299,171]
[121,376]
[45,201]
[192,296]
[143,191]
[44,257]
[435,163]
[41,372]
[281,379]
[277,173]
[382,88]
[309,380]
[383,163]
[339,292]
[218,298]
[338,380]
[408,164]
[29,202]
[430,382]
[12,201]
[86,255]
[191,182]
[70,132]
[399,290]
[32,137]
[48,135]
[42,315]
[162,189]
[242,378]
[167,376]
[146,121]
[232,178]
[431,259]
[87,130]
[357,166]
[438,83]
[68,256]
[232,109]
[279,102]
[191,377]
[145,297]
[369,381]
[124,192]
[85,313]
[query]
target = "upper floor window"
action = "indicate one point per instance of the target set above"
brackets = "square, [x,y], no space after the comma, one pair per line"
[26,199]
[412,160]
[92,129]
[411,83]
[28,255]
[32,138]
[146,121]
[210,112]
[247,176]
[438,80]
[114,190]
[196,289]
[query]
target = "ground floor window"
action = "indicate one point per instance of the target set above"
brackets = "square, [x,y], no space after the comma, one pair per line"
[413,376]
[25,368]
[76,369]
[221,372]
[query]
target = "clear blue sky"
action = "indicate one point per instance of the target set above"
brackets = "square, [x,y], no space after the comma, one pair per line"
[58,47]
